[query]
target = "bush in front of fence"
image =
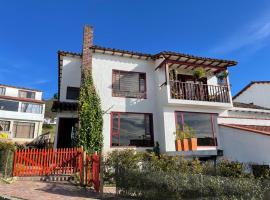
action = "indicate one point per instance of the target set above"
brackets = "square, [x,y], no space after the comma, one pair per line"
[146,176]
[6,158]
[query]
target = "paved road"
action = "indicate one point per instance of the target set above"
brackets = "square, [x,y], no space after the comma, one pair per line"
[36,190]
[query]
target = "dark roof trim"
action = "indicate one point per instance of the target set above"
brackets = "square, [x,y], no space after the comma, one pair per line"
[22,88]
[247,128]
[68,53]
[21,99]
[247,105]
[165,54]
[249,85]
[121,52]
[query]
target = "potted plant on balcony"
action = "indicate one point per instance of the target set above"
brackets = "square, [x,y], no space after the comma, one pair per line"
[222,77]
[199,73]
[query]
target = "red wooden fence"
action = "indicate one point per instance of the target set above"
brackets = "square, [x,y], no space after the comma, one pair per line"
[63,161]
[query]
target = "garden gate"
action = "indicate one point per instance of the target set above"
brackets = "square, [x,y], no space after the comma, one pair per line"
[62,161]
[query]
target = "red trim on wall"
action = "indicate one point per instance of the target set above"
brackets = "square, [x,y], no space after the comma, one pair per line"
[236,126]
[21,99]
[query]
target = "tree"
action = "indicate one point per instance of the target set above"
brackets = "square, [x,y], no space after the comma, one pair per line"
[90,116]
[55,96]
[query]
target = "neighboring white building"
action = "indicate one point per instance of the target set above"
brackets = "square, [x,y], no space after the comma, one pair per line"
[21,113]
[256,92]
[145,97]
[245,128]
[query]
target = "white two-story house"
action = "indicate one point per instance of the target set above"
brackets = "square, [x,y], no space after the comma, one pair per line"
[21,113]
[145,97]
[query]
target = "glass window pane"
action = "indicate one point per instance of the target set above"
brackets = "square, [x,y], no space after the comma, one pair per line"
[115,140]
[202,125]
[31,108]
[23,130]
[115,123]
[4,125]
[135,130]
[9,105]
[26,94]
[179,121]
[73,93]
[2,91]
[128,84]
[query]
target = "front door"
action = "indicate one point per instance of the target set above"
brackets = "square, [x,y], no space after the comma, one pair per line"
[66,130]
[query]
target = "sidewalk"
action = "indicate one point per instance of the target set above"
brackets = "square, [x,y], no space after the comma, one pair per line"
[33,190]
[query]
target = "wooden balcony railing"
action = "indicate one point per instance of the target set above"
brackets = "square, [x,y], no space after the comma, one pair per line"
[199,92]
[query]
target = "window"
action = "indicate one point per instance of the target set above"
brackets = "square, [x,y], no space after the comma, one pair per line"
[204,126]
[9,105]
[31,108]
[73,93]
[23,130]
[4,125]
[132,129]
[129,84]
[2,91]
[26,94]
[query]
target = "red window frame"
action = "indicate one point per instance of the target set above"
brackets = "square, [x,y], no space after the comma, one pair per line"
[151,128]
[142,93]
[183,122]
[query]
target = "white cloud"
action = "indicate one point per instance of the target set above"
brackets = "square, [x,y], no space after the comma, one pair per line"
[253,36]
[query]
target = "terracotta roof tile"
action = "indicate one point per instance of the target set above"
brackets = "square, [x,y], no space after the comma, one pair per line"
[248,105]
[252,128]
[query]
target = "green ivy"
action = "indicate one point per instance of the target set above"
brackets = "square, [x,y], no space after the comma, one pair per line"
[90,116]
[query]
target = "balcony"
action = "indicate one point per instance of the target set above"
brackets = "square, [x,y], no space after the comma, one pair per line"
[199,92]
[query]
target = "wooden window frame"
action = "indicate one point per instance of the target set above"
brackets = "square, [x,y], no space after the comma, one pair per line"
[212,123]
[114,93]
[34,97]
[112,133]
[32,125]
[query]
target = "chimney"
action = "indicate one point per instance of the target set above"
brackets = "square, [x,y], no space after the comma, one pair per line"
[86,52]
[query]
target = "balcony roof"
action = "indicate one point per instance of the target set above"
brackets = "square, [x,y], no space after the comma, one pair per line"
[64,106]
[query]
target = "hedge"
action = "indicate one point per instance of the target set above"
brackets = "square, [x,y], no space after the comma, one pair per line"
[145,176]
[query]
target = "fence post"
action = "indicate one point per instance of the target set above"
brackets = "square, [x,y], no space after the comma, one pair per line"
[6,165]
[101,174]
[14,163]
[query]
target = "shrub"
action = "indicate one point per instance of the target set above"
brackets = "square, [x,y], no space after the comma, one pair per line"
[146,176]
[6,158]
[4,146]
[231,169]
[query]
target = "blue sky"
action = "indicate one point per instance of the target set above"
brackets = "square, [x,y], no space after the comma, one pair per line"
[31,33]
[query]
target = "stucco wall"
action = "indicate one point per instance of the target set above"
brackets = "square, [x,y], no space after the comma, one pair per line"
[258,94]
[157,101]
[245,146]
[71,76]
[102,74]
[14,92]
